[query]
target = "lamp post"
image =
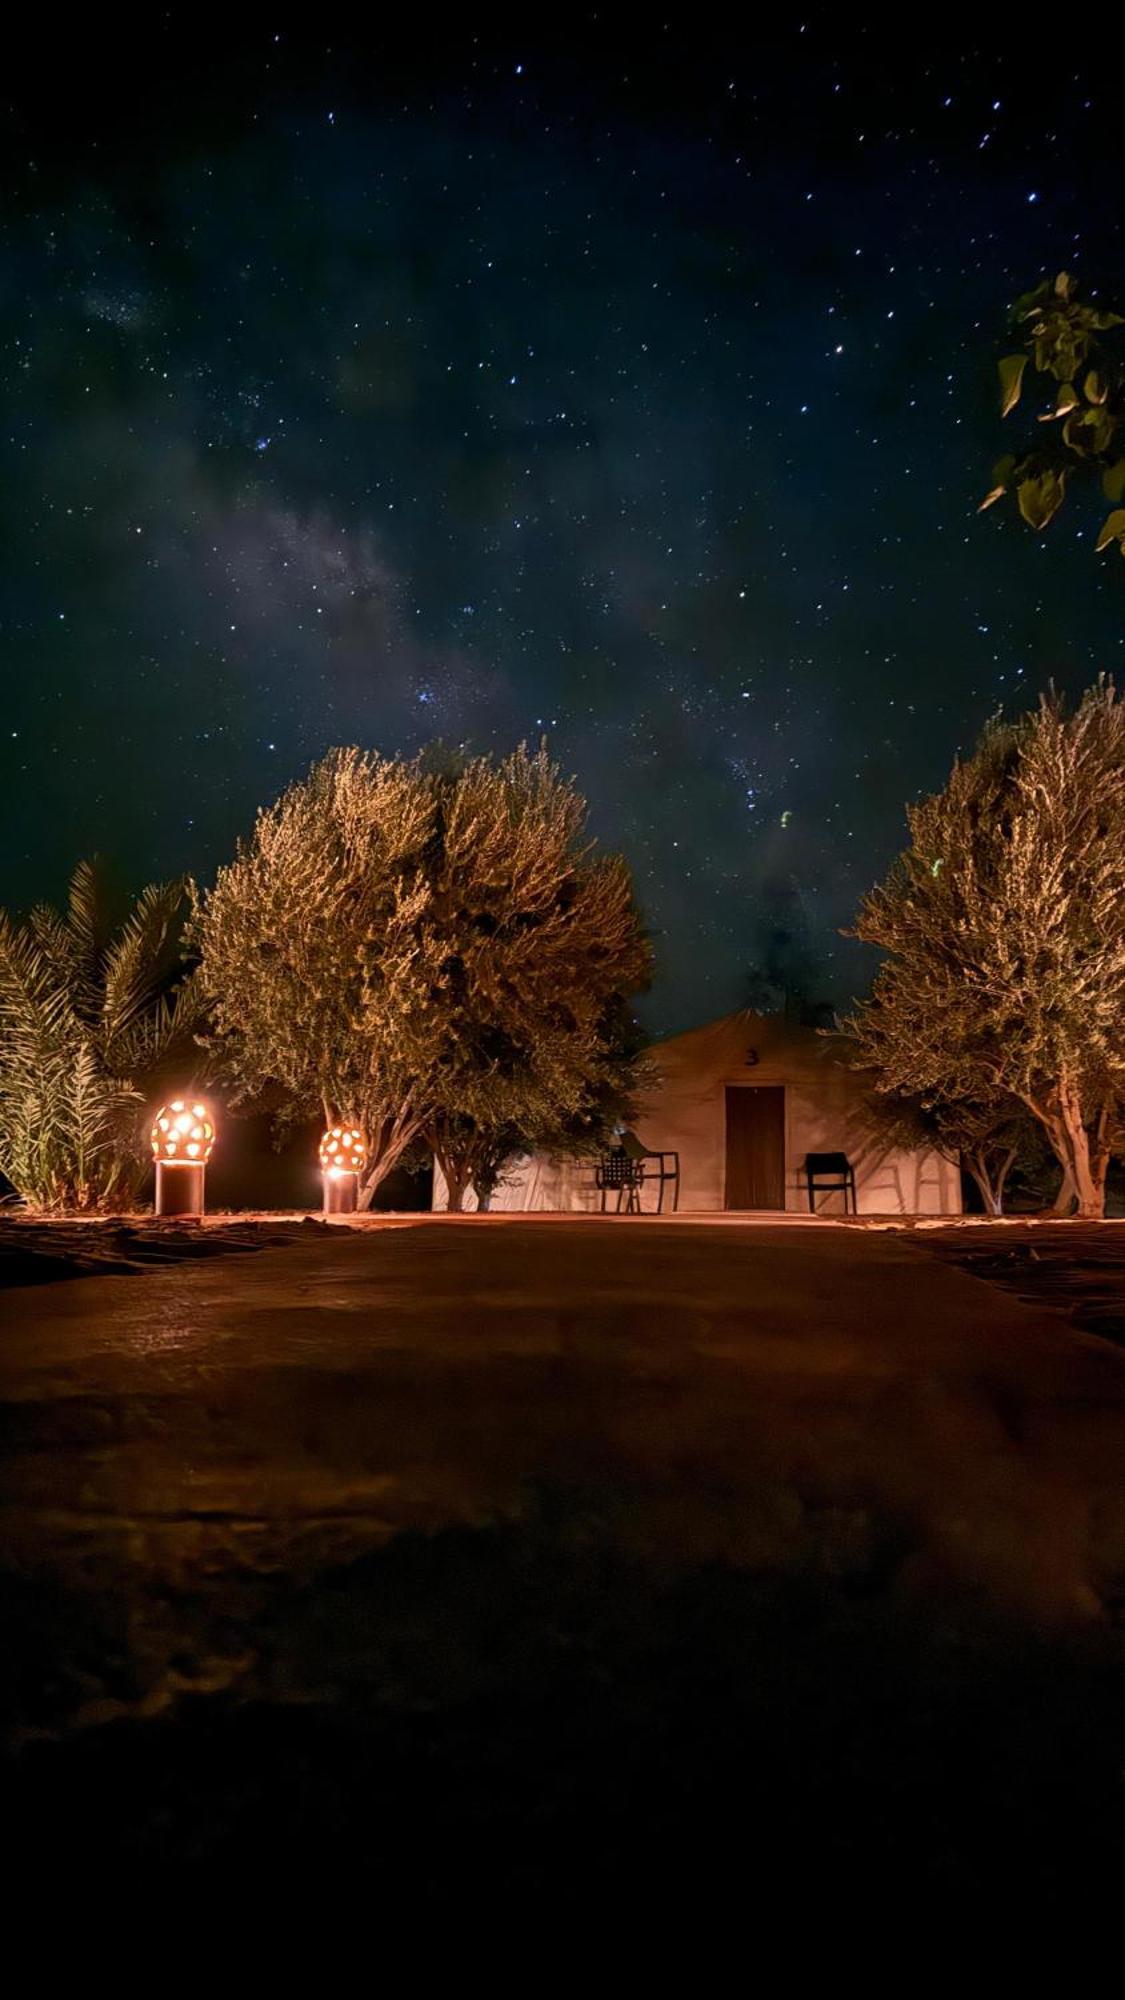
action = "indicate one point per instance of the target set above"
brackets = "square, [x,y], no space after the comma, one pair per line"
[343,1156]
[183,1134]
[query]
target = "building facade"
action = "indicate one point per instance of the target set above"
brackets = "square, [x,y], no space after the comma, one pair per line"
[744,1101]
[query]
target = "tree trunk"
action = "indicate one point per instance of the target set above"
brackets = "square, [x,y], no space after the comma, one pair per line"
[455,1174]
[1089,1183]
[388,1143]
[1084,1164]
[1001,1179]
[980,1175]
[1064,1200]
[1099,1154]
[484,1200]
[1087,1166]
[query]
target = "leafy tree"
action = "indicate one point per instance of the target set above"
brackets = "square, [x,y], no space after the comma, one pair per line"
[1004,929]
[473,1155]
[1079,348]
[476,1154]
[94,1015]
[429,947]
[300,941]
[984,1140]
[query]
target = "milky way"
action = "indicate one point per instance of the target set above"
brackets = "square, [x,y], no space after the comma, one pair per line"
[634,393]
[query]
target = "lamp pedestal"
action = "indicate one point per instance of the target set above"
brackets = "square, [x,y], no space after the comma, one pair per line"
[341,1192]
[179,1187]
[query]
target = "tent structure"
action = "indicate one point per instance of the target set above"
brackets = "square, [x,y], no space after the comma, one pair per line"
[744,1101]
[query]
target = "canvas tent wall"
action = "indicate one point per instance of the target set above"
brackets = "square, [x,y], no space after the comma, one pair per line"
[744,1100]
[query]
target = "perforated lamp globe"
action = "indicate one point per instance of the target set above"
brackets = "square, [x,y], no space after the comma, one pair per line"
[183,1134]
[342,1150]
[343,1156]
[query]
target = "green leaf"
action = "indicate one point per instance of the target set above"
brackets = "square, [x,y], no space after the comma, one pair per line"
[1011,381]
[1002,474]
[1029,304]
[1095,389]
[1113,530]
[1065,402]
[1040,499]
[1064,285]
[1102,427]
[1113,481]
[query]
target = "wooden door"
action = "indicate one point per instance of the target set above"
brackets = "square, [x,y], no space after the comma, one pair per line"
[755,1147]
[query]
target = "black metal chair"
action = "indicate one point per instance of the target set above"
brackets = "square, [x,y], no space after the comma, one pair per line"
[627,1168]
[665,1173]
[617,1173]
[830,1173]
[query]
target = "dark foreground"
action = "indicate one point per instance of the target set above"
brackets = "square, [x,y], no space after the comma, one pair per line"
[723,1571]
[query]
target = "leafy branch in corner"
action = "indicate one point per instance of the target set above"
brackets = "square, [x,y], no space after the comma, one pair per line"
[1080,348]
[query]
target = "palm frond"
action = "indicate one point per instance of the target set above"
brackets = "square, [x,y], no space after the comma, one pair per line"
[88,919]
[86,1021]
[139,961]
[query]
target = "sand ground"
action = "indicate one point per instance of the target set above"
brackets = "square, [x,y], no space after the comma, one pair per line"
[556,1543]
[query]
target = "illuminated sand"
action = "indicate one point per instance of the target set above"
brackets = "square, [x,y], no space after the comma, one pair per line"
[552,1478]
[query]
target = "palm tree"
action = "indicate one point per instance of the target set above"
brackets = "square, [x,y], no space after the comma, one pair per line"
[93,1017]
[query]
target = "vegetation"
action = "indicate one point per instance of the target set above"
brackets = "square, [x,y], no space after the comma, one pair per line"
[1079,348]
[430,948]
[93,1014]
[983,1139]
[1004,929]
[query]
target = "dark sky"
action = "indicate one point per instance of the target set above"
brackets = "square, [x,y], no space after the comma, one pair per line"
[635,386]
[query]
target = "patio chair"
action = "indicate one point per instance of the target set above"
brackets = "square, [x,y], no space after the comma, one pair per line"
[617,1173]
[629,1166]
[664,1173]
[830,1173]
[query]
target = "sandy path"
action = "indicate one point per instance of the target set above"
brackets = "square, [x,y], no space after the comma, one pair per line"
[468,1553]
[750,1390]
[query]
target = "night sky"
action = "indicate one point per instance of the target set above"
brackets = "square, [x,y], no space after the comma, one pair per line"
[635,387]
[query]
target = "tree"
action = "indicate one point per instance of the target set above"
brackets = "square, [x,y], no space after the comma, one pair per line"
[296,940]
[1004,929]
[1079,347]
[984,1140]
[430,947]
[475,1153]
[94,1014]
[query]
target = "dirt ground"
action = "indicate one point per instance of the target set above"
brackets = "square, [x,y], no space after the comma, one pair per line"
[566,1554]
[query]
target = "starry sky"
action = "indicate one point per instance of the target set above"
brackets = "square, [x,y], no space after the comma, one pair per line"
[632,388]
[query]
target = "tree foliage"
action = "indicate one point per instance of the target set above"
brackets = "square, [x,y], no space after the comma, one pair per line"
[430,947]
[93,1014]
[984,1138]
[1078,346]
[1004,929]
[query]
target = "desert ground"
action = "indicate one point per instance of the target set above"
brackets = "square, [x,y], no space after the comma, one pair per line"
[568,1558]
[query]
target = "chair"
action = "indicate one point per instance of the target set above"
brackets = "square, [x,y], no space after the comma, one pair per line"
[830,1173]
[617,1172]
[666,1173]
[627,1168]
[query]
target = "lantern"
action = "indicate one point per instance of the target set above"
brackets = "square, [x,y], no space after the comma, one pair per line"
[183,1134]
[343,1156]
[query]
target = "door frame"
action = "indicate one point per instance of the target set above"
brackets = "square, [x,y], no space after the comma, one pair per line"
[737,1084]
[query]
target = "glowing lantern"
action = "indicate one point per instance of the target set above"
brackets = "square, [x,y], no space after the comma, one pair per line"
[183,1134]
[343,1156]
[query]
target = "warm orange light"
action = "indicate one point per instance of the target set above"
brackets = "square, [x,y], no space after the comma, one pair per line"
[183,1133]
[342,1151]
